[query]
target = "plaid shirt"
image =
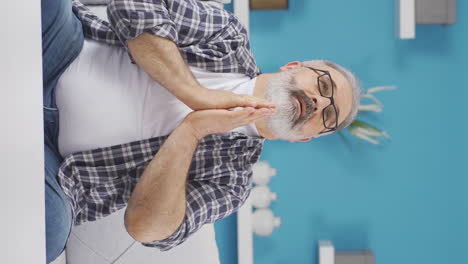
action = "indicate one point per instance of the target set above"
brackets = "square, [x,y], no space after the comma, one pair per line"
[207,36]
[100,181]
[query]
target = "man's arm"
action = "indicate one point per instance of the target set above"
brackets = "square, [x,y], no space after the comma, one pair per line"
[161,59]
[157,205]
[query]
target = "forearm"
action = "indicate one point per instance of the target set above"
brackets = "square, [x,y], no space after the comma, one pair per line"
[161,59]
[157,205]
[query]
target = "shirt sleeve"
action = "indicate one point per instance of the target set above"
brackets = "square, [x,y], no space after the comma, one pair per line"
[207,202]
[186,22]
[94,27]
[130,18]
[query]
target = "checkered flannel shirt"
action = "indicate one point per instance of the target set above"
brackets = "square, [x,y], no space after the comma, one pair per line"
[207,36]
[100,181]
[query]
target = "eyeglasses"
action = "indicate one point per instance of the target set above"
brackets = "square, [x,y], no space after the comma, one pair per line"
[326,88]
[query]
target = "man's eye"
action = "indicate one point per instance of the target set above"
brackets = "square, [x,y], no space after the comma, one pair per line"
[324,86]
[327,115]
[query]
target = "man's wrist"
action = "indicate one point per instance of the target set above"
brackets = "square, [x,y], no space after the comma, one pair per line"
[192,94]
[188,127]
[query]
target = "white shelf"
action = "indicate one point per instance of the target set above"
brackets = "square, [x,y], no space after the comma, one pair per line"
[242,10]
[245,233]
[406,19]
[326,252]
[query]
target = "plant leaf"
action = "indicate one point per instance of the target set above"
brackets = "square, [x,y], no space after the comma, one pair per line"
[370,107]
[381,88]
[366,131]
[372,97]
[365,137]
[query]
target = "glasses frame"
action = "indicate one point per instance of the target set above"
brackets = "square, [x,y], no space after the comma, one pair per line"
[332,100]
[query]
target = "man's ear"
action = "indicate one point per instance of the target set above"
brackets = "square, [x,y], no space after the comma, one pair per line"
[291,65]
[325,134]
[301,140]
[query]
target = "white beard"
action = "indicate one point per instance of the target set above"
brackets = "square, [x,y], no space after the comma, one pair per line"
[278,92]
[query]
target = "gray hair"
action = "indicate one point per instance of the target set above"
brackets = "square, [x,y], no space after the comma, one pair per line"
[355,86]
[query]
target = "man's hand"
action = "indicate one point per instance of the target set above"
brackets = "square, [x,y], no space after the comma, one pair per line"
[157,205]
[221,99]
[206,122]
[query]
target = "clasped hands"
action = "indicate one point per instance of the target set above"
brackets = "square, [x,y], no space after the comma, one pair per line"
[214,111]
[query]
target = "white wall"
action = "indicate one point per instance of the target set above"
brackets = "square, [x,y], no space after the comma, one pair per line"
[22,212]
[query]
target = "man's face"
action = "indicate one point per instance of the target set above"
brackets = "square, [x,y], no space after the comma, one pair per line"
[299,104]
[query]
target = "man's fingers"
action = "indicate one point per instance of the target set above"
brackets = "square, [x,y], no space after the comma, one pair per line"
[248,111]
[263,103]
[256,102]
[258,114]
[247,115]
[263,111]
[242,112]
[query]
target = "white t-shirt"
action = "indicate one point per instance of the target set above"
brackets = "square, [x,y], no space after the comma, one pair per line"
[105,100]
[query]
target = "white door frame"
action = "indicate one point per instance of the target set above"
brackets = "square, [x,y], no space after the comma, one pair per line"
[22,212]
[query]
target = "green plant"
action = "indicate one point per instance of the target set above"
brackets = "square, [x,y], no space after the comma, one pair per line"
[364,130]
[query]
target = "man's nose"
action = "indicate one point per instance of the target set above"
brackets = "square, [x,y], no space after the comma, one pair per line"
[319,102]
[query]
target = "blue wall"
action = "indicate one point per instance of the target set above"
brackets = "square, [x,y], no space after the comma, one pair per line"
[406,201]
